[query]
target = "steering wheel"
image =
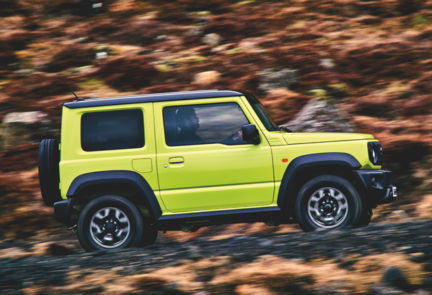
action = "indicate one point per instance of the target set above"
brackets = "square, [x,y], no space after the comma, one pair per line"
[236,137]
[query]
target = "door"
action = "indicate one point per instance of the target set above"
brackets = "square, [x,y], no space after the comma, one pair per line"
[203,162]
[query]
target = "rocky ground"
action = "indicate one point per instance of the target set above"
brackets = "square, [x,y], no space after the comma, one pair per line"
[379,259]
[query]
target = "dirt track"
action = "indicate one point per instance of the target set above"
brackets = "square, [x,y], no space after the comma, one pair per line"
[323,262]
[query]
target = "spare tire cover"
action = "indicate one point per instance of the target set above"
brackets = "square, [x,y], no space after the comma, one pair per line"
[48,163]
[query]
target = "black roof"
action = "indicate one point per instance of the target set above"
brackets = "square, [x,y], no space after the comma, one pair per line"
[167,96]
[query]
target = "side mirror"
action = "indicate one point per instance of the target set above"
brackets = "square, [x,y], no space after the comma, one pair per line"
[250,134]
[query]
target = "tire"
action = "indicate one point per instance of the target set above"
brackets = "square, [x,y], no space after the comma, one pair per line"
[117,224]
[366,217]
[48,164]
[149,235]
[329,202]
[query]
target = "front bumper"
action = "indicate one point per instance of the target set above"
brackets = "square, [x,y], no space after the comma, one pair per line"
[377,185]
[63,211]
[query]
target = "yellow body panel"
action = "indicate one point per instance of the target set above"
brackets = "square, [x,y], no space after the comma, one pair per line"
[212,176]
[303,138]
[205,177]
[75,161]
[142,165]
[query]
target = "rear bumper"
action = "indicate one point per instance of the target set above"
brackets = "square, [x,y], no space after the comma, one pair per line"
[377,185]
[63,211]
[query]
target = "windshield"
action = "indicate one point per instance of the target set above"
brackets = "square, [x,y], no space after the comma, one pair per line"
[259,109]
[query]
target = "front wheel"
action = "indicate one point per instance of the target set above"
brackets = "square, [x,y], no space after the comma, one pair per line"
[109,223]
[149,235]
[328,202]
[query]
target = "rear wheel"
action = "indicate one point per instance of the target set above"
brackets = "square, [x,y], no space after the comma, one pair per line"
[48,164]
[329,202]
[109,223]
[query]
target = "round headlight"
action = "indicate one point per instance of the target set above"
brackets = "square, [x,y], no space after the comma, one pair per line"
[375,153]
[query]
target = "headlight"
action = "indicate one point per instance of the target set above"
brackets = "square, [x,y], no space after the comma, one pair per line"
[375,153]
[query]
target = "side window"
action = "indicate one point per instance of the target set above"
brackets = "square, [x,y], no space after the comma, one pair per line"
[203,124]
[113,130]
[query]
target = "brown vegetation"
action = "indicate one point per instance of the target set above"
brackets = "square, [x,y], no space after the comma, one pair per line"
[379,53]
[30,88]
[128,73]
[70,56]
[283,104]
[20,205]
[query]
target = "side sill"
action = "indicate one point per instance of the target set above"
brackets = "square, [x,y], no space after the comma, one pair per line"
[240,215]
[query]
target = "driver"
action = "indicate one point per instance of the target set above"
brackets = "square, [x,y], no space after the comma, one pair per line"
[188,123]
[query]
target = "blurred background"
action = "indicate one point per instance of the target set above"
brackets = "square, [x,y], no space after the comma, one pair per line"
[330,65]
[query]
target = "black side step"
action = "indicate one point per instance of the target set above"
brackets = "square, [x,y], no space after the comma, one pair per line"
[223,216]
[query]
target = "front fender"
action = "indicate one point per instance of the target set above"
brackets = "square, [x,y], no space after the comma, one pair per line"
[307,161]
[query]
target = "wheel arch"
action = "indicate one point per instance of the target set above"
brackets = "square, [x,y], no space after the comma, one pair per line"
[303,168]
[120,179]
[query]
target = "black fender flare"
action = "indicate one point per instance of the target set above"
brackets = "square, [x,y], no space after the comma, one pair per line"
[306,161]
[121,177]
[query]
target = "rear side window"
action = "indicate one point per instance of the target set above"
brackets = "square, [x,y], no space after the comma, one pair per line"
[113,130]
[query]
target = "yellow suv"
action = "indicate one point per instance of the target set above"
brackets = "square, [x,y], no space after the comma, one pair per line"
[130,166]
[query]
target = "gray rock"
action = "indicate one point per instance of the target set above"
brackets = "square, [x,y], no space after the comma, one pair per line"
[393,276]
[101,55]
[197,30]
[212,39]
[383,289]
[421,292]
[26,127]
[266,243]
[327,63]
[160,37]
[273,78]
[81,39]
[320,115]
[25,72]
[421,258]
[25,117]
[194,253]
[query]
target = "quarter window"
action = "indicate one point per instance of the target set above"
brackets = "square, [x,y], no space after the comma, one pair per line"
[112,130]
[204,124]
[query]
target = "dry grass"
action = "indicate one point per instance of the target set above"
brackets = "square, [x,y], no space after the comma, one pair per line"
[228,231]
[366,271]
[268,274]
[424,207]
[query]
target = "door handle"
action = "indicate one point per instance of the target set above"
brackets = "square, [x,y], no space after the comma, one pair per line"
[176,160]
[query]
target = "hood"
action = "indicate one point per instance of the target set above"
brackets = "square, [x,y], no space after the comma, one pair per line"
[299,138]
